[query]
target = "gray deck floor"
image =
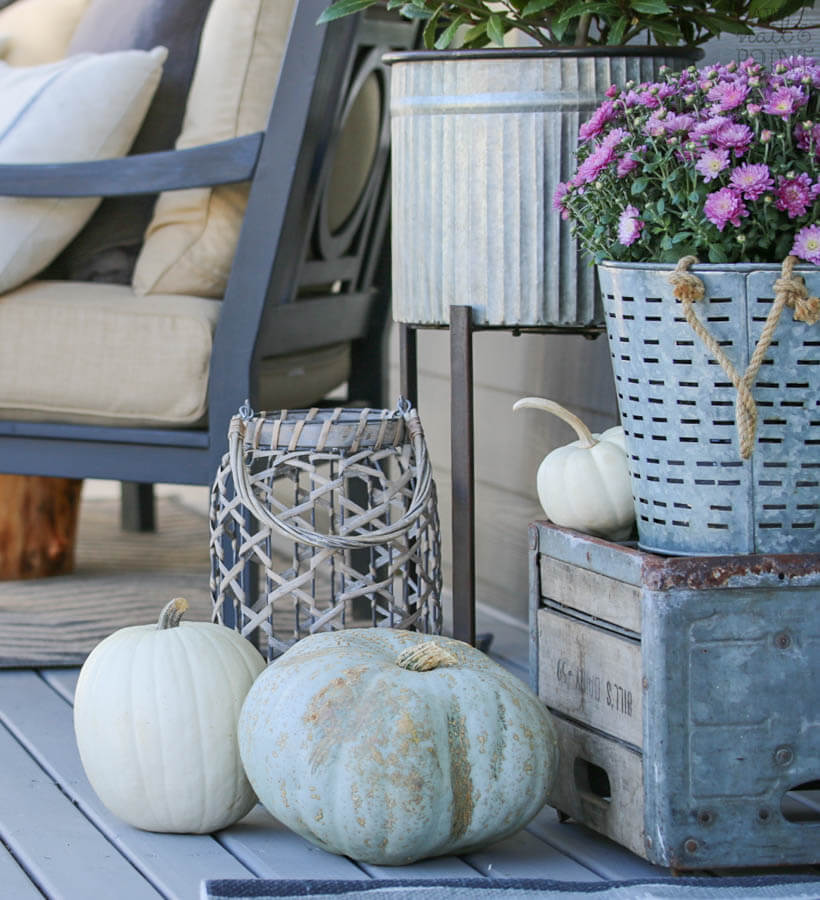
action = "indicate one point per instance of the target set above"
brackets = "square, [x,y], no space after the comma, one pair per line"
[57,839]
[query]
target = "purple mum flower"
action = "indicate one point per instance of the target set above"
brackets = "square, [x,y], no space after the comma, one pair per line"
[595,125]
[649,100]
[728,95]
[655,126]
[804,137]
[677,122]
[630,99]
[708,127]
[807,244]
[724,206]
[561,192]
[751,180]
[800,69]
[793,195]
[734,136]
[629,226]
[614,138]
[784,102]
[626,165]
[711,163]
[593,165]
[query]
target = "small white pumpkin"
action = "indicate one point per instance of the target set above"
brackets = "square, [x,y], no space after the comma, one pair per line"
[390,746]
[585,485]
[155,717]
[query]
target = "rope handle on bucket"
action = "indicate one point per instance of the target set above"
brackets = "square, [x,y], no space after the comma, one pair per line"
[421,493]
[789,290]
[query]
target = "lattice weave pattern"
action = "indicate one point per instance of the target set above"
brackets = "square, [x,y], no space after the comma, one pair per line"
[322,520]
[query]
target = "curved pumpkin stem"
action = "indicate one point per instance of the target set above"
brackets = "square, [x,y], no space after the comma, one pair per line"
[424,657]
[550,406]
[172,613]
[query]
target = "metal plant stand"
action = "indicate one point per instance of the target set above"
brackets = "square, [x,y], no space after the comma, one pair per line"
[462,453]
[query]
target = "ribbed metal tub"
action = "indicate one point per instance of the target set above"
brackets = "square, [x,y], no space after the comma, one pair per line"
[480,140]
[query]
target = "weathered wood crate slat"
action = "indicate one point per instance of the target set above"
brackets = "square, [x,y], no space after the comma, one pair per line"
[686,692]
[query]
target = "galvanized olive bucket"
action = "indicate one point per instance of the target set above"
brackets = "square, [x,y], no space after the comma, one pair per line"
[694,491]
[480,140]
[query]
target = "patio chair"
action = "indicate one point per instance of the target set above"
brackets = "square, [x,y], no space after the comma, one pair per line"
[306,298]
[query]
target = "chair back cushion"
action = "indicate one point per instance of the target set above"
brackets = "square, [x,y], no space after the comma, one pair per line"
[81,108]
[106,249]
[39,31]
[190,243]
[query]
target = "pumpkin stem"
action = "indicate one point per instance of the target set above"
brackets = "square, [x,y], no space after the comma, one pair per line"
[424,657]
[550,406]
[172,613]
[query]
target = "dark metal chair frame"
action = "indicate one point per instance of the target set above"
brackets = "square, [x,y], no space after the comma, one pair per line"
[274,302]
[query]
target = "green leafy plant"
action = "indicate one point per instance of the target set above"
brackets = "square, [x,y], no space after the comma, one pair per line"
[582,23]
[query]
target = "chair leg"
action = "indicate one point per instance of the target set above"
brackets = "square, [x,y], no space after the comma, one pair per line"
[137,512]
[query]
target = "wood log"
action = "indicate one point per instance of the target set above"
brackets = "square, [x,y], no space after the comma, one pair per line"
[38,525]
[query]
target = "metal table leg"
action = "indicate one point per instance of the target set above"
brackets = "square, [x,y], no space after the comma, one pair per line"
[462,472]
[461,454]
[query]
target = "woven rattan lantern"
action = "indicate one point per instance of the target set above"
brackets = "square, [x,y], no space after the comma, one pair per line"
[325,519]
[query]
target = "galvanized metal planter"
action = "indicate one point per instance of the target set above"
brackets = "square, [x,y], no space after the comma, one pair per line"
[480,140]
[684,692]
[694,493]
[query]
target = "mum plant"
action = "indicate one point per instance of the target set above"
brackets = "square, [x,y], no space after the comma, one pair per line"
[582,23]
[719,162]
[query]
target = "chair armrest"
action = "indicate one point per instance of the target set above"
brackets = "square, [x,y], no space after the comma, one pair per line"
[225,162]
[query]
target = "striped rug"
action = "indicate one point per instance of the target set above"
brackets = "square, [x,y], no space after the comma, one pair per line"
[120,579]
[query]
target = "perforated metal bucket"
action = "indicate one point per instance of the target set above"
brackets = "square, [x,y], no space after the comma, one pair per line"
[693,492]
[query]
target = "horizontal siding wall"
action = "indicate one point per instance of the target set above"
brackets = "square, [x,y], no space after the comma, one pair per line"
[509,446]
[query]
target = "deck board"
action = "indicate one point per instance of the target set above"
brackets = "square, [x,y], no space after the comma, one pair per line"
[607,859]
[76,861]
[61,839]
[526,856]
[42,721]
[14,880]
[428,869]
[271,850]
[40,755]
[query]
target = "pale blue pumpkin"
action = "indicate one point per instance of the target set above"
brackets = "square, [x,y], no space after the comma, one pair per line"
[383,762]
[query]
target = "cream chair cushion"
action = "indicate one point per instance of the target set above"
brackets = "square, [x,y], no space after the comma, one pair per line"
[85,107]
[90,352]
[97,354]
[190,242]
[39,31]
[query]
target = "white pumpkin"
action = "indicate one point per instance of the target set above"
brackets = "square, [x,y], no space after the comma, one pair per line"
[390,746]
[155,717]
[585,485]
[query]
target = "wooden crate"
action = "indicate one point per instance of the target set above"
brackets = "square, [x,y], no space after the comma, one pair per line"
[686,693]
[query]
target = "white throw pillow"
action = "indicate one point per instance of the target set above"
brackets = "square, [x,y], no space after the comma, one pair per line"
[86,107]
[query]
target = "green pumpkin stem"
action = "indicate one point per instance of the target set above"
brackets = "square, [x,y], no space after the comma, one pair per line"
[424,657]
[172,614]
